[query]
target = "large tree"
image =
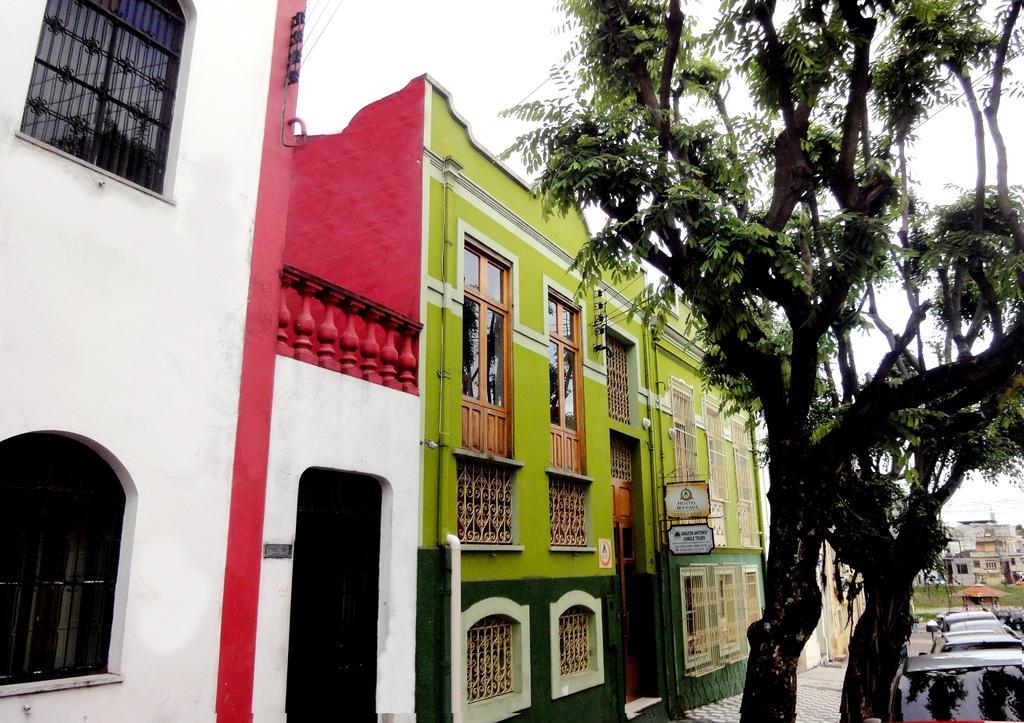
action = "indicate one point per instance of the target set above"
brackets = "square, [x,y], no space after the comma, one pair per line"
[777,226]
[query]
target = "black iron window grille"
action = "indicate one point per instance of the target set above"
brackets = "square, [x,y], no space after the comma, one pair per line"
[103,84]
[61,509]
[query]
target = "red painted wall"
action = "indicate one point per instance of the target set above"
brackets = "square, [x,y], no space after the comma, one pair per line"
[355,217]
[255,397]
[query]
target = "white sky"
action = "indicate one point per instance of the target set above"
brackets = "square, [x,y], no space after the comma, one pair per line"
[490,56]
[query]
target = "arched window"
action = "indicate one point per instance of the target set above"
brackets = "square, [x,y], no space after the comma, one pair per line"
[61,508]
[103,84]
[496,650]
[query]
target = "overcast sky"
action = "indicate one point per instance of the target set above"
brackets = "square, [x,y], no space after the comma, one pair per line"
[491,56]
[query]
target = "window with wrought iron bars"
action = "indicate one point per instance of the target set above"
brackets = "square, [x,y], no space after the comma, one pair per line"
[574,640]
[746,506]
[489,661]
[104,81]
[718,604]
[617,358]
[718,471]
[484,499]
[567,509]
[61,509]
[684,421]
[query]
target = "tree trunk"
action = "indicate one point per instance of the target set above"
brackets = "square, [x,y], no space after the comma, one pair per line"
[792,609]
[875,647]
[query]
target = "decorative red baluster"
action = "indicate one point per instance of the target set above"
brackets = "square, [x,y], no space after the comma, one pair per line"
[407,361]
[349,341]
[327,333]
[389,355]
[305,325]
[370,348]
[284,317]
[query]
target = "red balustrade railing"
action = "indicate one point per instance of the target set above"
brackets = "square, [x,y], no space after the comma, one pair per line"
[324,324]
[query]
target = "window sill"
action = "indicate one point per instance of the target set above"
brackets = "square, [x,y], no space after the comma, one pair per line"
[483,547]
[586,549]
[567,474]
[45,686]
[483,456]
[96,169]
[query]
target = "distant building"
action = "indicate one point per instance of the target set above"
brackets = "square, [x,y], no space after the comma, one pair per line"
[984,552]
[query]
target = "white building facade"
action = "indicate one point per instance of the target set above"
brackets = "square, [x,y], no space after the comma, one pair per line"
[153,439]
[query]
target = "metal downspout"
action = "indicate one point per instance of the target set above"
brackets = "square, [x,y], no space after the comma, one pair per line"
[450,168]
[455,632]
[654,408]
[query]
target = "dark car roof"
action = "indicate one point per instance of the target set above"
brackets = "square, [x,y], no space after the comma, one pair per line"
[965,659]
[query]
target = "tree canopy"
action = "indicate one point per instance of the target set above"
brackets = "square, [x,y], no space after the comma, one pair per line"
[789,225]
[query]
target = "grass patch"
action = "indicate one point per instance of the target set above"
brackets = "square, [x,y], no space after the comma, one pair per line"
[936,598]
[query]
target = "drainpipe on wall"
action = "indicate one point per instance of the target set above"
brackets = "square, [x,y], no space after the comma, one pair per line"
[455,628]
[451,167]
[654,409]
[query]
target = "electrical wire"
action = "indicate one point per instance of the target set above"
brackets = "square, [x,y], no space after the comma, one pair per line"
[323,31]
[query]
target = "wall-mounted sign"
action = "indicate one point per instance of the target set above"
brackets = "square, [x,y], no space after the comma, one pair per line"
[604,553]
[687,500]
[690,539]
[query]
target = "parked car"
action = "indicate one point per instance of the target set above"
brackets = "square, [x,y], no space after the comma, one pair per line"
[949,642]
[979,626]
[1012,618]
[965,685]
[943,621]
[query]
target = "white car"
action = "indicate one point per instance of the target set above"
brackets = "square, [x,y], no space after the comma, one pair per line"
[950,642]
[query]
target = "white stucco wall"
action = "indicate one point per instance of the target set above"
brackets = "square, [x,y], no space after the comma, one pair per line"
[121,320]
[329,420]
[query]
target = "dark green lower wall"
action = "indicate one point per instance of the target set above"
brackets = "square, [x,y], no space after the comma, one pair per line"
[601,703]
[657,620]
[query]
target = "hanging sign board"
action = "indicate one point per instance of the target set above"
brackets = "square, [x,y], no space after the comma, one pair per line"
[687,500]
[690,539]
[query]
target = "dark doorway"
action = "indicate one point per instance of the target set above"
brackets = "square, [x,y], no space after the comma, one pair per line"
[332,648]
[625,556]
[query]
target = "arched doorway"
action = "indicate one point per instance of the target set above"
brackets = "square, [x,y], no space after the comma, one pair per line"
[332,648]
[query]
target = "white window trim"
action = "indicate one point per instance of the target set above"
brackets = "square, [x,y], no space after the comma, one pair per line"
[508,705]
[567,685]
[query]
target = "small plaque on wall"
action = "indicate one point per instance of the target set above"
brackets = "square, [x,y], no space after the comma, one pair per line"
[273,550]
[604,553]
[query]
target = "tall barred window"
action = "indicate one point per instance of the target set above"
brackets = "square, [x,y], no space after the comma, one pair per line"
[746,503]
[61,509]
[684,422]
[617,357]
[104,82]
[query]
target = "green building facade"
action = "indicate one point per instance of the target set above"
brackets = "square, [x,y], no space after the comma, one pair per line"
[552,422]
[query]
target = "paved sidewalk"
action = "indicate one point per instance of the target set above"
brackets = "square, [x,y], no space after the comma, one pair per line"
[818,692]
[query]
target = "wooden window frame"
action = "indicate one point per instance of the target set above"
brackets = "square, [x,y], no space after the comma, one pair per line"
[562,437]
[487,427]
